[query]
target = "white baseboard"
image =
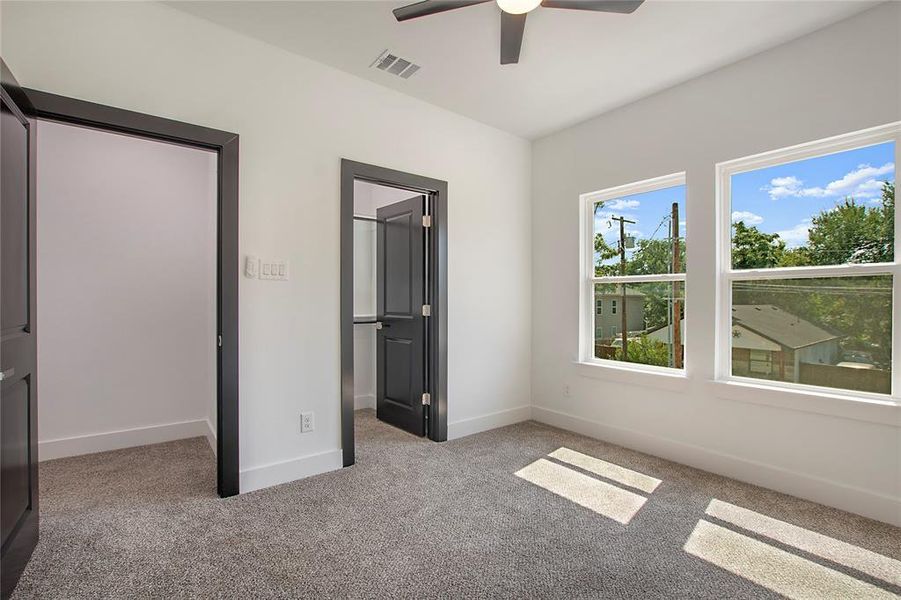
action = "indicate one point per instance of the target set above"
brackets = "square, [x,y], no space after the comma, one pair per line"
[124,438]
[465,427]
[364,401]
[816,489]
[211,435]
[264,476]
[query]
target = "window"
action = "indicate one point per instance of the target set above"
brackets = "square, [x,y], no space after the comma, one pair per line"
[810,263]
[634,257]
[599,308]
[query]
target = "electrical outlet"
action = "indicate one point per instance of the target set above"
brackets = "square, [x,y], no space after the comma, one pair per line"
[307,422]
[566,391]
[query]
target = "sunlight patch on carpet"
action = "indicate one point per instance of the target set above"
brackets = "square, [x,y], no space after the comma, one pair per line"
[849,555]
[601,497]
[606,469]
[773,568]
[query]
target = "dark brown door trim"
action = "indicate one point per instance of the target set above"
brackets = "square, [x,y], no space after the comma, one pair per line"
[225,144]
[437,322]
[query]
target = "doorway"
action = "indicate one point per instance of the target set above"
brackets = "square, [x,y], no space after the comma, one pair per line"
[69,111]
[394,328]
[22,108]
[126,269]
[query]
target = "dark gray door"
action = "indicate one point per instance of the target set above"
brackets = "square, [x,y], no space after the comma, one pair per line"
[18,396]
[400,342]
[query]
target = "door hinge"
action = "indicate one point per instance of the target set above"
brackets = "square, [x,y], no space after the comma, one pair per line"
[426,220]
[426,399]
[219,340]
[426,310]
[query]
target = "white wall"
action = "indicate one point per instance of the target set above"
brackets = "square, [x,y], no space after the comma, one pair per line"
[838,80]
[297,119]
[126,267]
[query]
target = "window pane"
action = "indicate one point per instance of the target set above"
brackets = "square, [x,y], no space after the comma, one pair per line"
[828,210]
[831,332]
[648,311]
[647,235]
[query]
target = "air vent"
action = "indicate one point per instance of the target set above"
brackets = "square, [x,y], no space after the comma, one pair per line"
[394,64]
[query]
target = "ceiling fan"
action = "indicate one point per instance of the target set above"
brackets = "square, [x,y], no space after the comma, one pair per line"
[513,15]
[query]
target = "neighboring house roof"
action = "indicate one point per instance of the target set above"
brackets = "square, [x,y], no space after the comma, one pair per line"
[742,337]
[768,328]
[630,291]
[782,327]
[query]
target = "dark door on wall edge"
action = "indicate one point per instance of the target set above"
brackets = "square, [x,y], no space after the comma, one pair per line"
[18,355]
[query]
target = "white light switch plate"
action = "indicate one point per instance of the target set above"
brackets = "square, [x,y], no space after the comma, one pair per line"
[274,269]
[251,266]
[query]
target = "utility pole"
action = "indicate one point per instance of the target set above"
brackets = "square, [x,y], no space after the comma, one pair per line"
[622,271]
[677,312]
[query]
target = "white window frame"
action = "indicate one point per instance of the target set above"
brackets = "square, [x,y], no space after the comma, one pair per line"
[727,275]
[588,278]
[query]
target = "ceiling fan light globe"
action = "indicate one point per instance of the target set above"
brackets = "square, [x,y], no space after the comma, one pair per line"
[517,7]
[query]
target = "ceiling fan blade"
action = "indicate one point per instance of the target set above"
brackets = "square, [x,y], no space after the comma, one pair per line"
[431,7]
[512,29]
[612,6]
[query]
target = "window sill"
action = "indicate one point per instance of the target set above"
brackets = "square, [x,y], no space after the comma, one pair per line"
[883,412]
[634,375]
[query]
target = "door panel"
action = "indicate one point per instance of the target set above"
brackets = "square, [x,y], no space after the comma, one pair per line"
[396,373]
[400,343]
[398,264]
[14,242]
[18,360]
[14,456]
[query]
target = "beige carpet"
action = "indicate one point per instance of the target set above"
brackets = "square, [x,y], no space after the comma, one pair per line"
[526,511]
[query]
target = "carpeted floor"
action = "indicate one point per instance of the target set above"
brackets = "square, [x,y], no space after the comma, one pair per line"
[505,513]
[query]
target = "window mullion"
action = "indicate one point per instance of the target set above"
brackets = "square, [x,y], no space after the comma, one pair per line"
[619,279]
[846,270]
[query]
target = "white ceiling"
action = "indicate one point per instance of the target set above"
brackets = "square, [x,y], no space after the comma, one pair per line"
[574,64]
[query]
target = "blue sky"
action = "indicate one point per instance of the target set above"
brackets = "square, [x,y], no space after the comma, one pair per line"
[783,199]
[650,211]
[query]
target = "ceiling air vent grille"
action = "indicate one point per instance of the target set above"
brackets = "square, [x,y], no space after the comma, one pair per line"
[395,65]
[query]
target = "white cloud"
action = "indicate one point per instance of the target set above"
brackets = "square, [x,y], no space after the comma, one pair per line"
[783,186]
[747,217]
[860,183]
[619,204]
[797,235]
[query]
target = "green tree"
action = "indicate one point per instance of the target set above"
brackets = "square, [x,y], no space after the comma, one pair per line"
[849,232]
[646,351]
[754,249]
[603,251]
[888,221]
[653,257]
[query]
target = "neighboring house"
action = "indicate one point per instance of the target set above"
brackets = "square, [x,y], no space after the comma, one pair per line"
[608,318]
[770,343]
